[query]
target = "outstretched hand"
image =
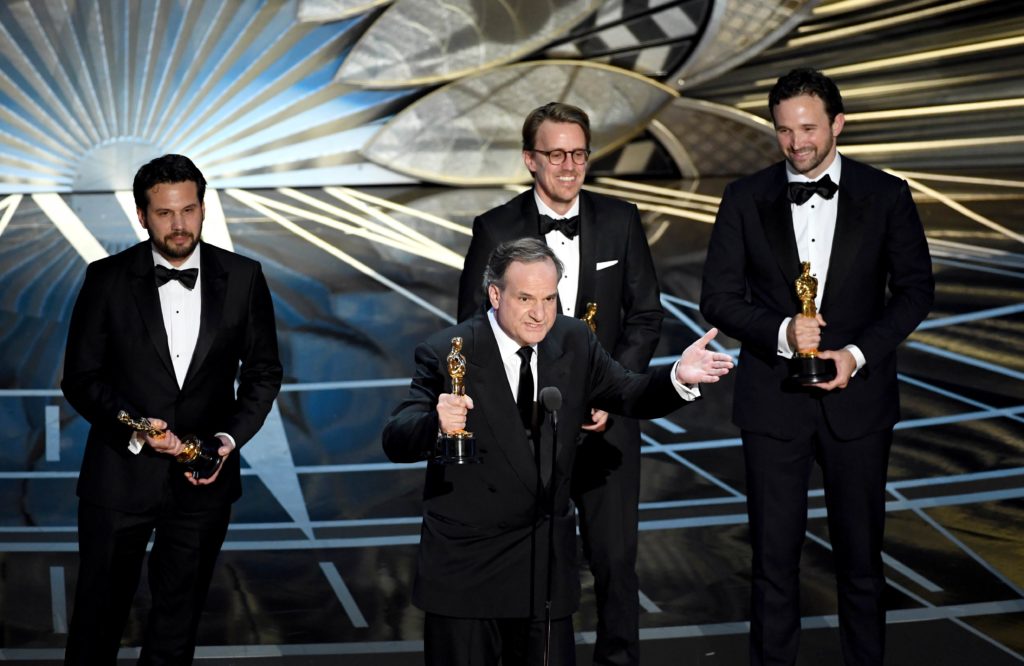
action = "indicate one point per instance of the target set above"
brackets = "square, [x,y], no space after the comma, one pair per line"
[699,365]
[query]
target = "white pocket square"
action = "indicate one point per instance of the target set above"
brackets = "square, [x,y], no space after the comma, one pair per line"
[601,265]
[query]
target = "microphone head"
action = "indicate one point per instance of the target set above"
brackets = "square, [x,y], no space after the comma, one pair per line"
[550,398]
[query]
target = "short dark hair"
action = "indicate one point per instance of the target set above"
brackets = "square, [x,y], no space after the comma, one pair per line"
[524,250]
[166,169]
[806,81]
[555,112]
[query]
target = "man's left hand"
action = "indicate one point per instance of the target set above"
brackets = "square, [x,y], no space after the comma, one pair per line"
[845,365]
[698,365]
[598,421]
[226,447]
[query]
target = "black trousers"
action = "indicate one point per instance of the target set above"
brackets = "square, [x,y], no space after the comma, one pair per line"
[454,641]
[854,473]
[112,546]
[606,489]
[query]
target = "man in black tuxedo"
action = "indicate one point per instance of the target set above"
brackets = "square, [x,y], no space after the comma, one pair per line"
[483,556]
[602,245]
[859,229]
[159,331]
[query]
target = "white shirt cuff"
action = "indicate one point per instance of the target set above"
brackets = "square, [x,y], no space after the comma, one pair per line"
[858,356]
[136,442]
[784,350]
[230,439]
[687,392]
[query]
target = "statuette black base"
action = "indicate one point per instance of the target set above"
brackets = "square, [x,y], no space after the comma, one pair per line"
[456,449]
[811,370]
[200,457]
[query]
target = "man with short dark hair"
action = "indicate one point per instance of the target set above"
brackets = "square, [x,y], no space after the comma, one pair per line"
[482,565]
[860,232]
[602,244]
[162,331]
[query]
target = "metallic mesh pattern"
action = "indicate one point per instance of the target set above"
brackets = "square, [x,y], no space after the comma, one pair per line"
[715,140]
[416,42]
[739,30]
[470,131]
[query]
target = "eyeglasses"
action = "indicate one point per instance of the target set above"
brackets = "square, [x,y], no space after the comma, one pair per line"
[557,156]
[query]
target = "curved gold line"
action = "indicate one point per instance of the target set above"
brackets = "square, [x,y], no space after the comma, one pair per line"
[938,110]
[431,177]
[958,207]
[529,47]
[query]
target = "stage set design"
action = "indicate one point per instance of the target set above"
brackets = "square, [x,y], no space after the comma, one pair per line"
[350,143]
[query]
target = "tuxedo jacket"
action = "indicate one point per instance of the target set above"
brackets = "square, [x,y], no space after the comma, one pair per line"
[616,270]
[483,538]
[117,358]
[879,287]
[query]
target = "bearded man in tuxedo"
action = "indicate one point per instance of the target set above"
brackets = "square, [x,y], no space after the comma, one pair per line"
[163,331]
[859,229]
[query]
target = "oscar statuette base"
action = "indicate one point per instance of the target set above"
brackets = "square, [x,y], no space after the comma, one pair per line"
[811,370]
[457,448]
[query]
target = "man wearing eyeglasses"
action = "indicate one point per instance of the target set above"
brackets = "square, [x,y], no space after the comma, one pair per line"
[602,245]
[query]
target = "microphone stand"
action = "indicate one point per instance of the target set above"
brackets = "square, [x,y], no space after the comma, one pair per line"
[551,535]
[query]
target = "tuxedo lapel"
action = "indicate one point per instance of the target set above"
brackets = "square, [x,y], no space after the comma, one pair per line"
[142,284]
[848,234]
[553,370]
[588,253]
[213,280]
[486,380]
[777,221]
[529,218]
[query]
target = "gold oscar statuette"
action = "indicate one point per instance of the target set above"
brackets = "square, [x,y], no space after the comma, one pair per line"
[199,457]
[590,316]
[459,447]
[806,368]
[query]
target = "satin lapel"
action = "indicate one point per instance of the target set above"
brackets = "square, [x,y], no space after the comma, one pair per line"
[529,218]
[147,300]
[553,370]
[588,254]
[847,237]
[487,384]
[214,281]
[777,221]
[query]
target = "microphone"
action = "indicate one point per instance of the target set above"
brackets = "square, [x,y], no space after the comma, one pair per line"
[550,399]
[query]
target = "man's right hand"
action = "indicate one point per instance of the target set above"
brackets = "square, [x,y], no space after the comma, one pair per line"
[804,333]
[166,442]
[452,411]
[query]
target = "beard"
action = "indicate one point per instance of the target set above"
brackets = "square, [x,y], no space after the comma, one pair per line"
[175,251]
[813,160]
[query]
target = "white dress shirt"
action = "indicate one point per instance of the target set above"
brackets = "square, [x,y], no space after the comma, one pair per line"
[508,349]
[568,252]
[181,308]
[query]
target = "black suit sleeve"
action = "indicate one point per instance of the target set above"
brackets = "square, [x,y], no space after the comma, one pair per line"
[259,378]
[86,381]
[911,283]
[641,301]
[616,389]
[724,298]
[411,430]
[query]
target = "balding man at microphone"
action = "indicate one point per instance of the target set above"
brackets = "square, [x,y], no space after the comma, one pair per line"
[496,571]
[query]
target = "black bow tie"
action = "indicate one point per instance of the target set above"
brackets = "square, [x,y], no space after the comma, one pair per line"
[186,277]
[569,226]
[799,193]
